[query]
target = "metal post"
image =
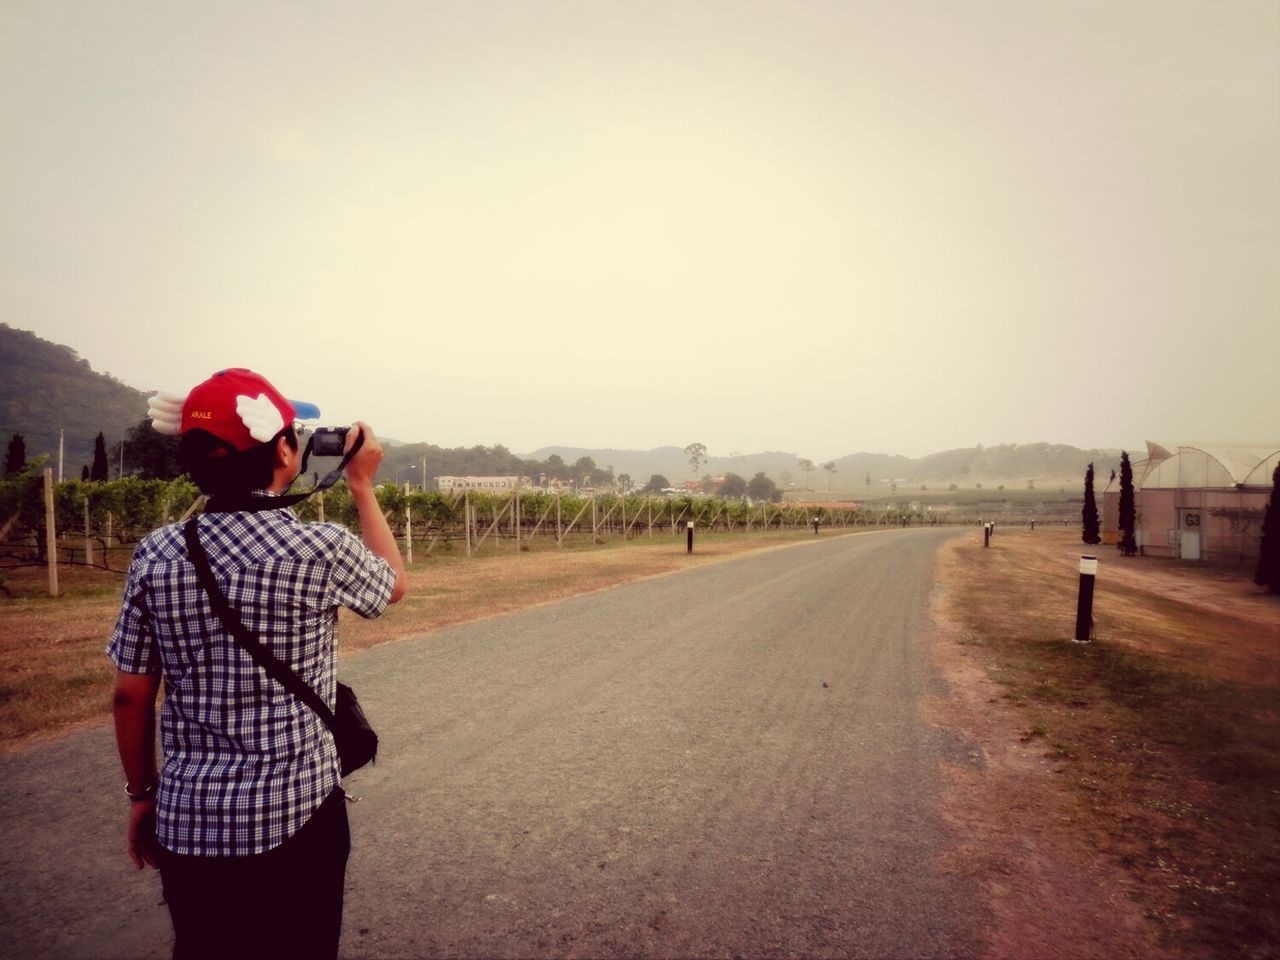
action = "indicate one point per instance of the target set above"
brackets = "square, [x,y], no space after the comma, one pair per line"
[815,526]
[986,534]
[1084,603]
[689,533]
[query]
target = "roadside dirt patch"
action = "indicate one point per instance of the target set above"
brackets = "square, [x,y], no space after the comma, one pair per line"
[1123,802]
[1051,894]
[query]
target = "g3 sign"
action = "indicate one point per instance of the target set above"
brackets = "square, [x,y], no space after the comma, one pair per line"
[1191,519]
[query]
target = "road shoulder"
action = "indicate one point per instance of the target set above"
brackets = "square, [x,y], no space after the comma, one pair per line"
[1049,893]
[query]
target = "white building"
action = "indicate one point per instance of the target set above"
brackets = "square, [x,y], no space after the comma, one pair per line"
[483,484]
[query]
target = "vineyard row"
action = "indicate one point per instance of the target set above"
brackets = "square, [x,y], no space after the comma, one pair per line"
[81,515]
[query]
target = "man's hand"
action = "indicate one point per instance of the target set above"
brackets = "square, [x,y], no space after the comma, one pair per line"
[365,463]
[134,709]
[143,847]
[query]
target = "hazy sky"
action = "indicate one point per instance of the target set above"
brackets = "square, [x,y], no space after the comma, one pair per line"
[810,227]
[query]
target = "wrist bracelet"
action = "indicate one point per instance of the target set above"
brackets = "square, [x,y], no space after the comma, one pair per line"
[146,794]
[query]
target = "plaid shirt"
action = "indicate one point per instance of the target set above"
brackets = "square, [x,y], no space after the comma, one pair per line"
[245,762]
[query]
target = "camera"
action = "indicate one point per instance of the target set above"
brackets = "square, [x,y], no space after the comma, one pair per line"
[329,441]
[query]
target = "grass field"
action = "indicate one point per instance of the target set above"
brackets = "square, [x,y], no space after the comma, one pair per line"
[1047,505]
[1163,734]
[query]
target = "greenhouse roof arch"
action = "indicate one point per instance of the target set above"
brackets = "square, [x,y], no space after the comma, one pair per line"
[1208,465]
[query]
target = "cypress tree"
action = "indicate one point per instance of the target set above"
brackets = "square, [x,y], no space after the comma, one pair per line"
[1090,513]
[1128,515]
[99,469]
[1268,572]
[16,456]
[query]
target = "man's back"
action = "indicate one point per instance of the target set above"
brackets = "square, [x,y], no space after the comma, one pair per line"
[245,762]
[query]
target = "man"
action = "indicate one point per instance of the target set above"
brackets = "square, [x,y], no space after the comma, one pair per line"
[244,818]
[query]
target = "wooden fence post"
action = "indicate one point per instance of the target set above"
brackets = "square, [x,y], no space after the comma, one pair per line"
[466,518]
[50,532]
[88,544]
[408,525]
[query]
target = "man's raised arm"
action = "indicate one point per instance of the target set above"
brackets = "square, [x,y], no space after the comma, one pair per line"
[376,534]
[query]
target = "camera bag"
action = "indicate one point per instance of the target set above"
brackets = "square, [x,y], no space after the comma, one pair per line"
[354,737]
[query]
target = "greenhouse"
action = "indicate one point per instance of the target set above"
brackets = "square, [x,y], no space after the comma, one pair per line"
[1197,501]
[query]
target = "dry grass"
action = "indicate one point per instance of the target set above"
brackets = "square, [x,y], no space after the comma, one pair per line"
[1163,734]
[56,676]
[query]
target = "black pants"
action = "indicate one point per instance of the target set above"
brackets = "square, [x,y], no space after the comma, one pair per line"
[283,904]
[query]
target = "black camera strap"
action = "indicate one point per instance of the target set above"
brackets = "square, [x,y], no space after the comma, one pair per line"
[249,504]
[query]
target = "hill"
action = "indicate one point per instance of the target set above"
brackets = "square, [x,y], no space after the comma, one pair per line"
[1013,464]
[46,387]
[672,463]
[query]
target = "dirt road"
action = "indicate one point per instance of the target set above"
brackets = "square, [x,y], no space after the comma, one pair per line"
[728,761]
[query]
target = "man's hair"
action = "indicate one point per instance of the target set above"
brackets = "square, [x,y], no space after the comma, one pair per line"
[219,471]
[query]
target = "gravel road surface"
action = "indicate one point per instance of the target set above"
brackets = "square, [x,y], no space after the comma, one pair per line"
[728,761]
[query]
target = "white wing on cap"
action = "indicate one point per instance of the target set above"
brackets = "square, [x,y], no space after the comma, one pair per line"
[165,411]
[260,416]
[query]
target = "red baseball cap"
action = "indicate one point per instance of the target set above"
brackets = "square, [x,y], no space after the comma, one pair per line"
[237,406]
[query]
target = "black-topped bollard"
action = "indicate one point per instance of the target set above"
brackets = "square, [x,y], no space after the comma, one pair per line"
[986,534]
[1084,603]
[815,526]
[689,532]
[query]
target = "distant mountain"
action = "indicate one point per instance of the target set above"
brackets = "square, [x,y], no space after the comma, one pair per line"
[672,463]
[1013,464]
[46,387]
[1010,464]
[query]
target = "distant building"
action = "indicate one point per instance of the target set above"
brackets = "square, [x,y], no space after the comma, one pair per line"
[1197,501]
[485,484]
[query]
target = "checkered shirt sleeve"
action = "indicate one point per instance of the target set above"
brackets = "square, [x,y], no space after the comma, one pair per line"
[245,762]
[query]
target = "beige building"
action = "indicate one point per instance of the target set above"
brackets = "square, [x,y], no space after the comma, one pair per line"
[1197,501]
[484,484]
